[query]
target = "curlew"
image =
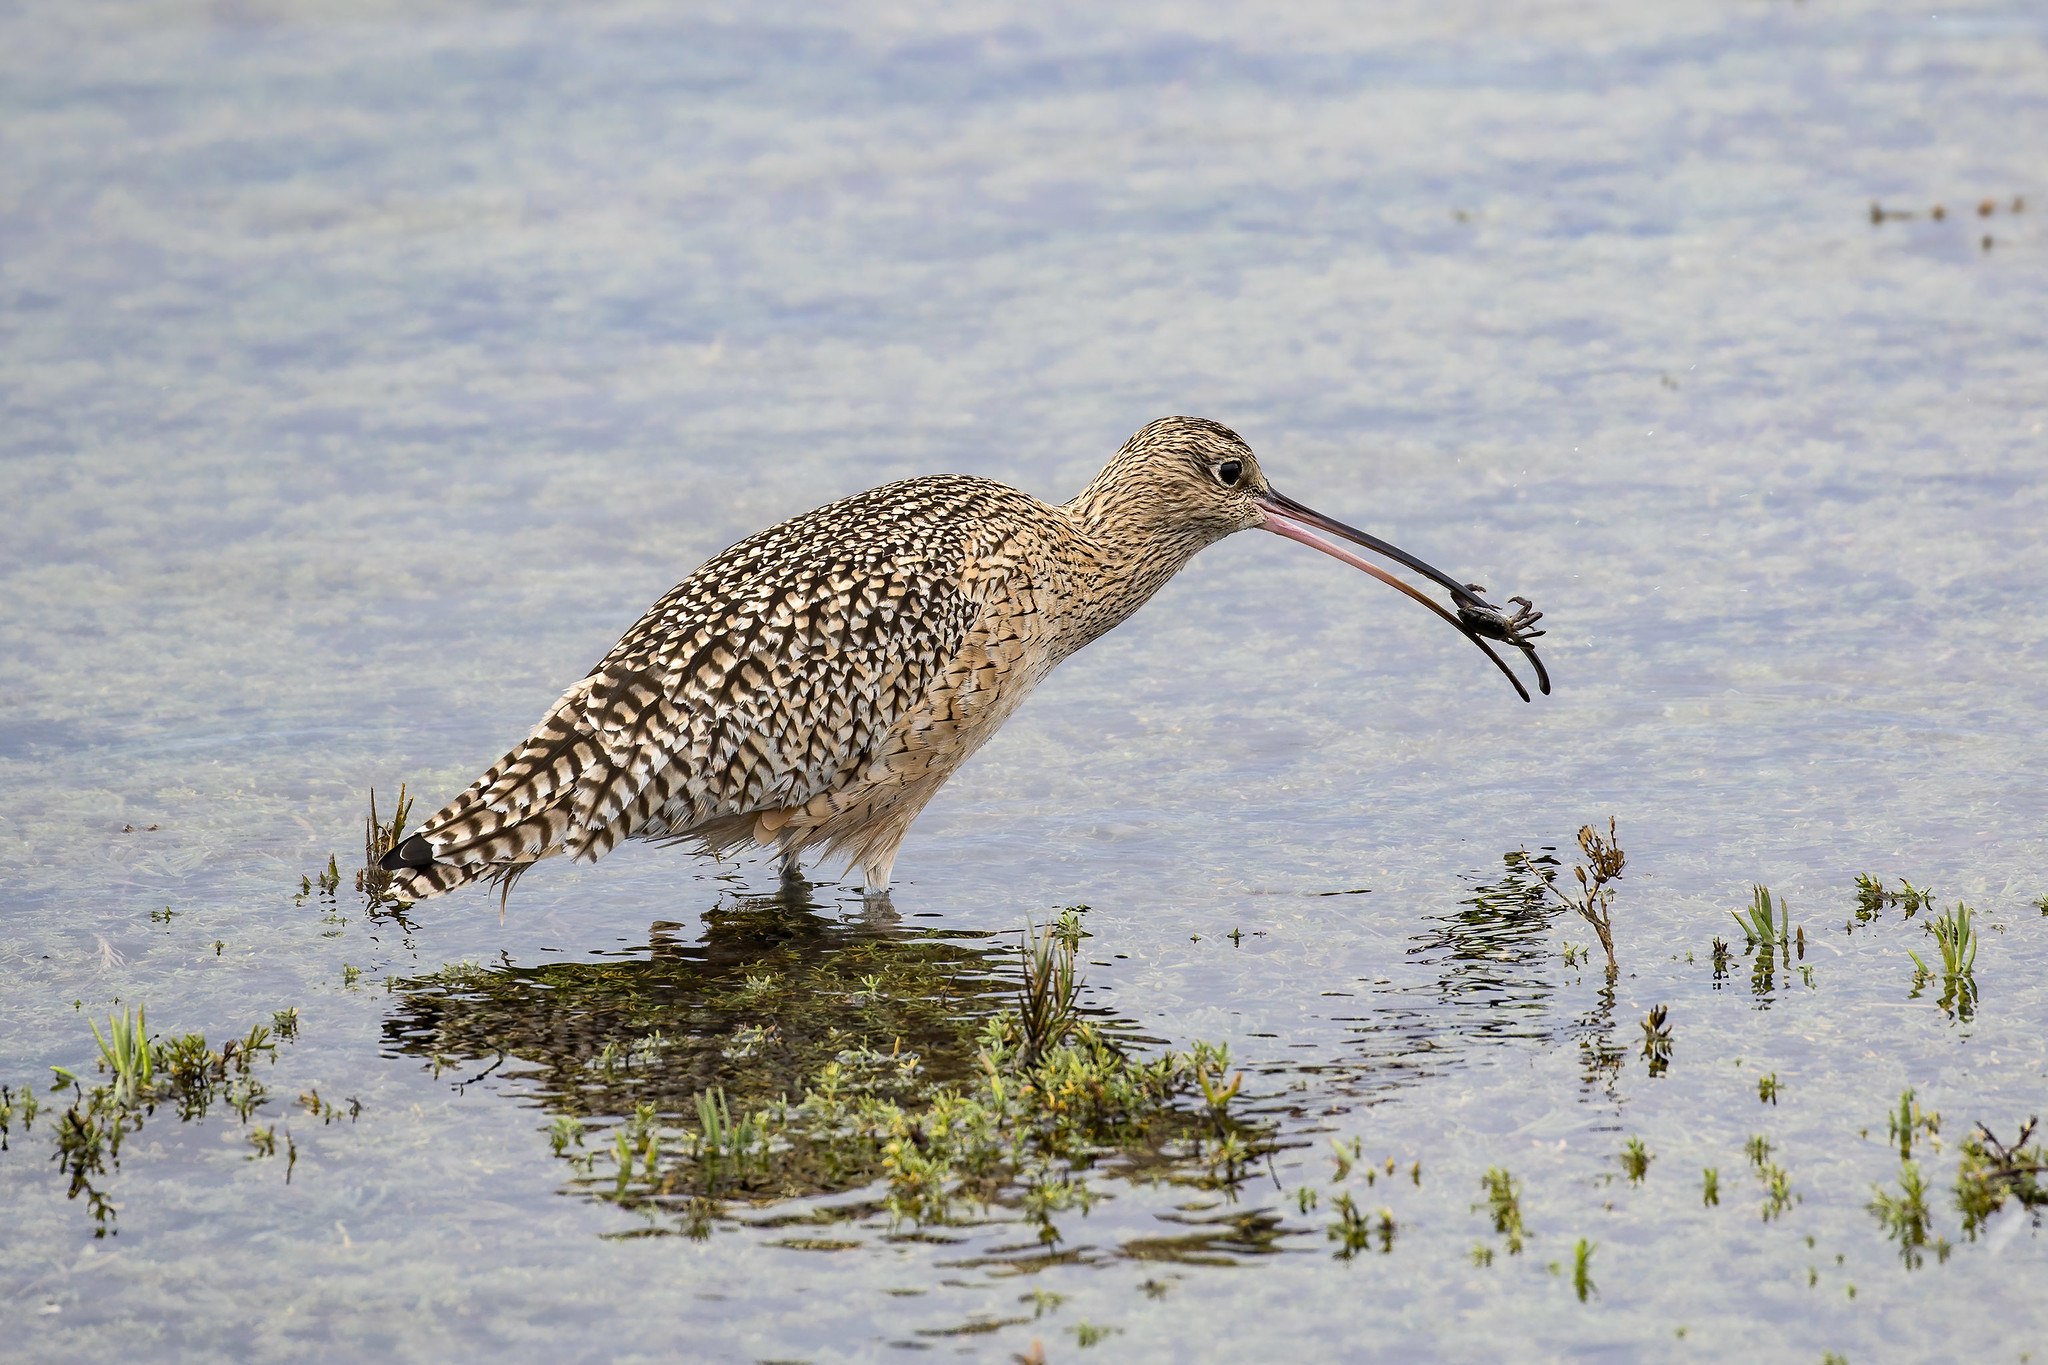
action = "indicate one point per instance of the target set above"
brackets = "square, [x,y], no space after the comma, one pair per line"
[812,687]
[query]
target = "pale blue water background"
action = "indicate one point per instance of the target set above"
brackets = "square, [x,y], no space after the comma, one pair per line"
[365,371]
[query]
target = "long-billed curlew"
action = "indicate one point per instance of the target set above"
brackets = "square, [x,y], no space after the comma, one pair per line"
[814,685]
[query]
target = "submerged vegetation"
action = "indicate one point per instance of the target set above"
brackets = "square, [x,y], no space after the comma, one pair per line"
[841,1079]
[907,1072]
[1873,897]
[1657,1040]
[143,1073]
[1993,1173]
[380,836]
[1504,1205]
[1956,938]
[1770,937]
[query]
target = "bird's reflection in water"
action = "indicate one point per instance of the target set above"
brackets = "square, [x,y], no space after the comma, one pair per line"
[855,1066]
[774,989]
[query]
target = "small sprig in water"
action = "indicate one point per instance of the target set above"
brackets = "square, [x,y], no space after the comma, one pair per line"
[380,837]
[1993,1172]
[1595,898]
[1657,1040]
[1956,937]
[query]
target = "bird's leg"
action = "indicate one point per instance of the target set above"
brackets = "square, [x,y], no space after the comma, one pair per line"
[875,871]
[792,890]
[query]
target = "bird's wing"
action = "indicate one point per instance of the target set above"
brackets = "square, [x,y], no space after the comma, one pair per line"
[761,681]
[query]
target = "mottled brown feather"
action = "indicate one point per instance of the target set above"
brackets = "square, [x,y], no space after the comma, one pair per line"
[814,685]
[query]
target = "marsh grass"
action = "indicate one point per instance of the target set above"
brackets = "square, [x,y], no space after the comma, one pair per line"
[1768,934]
[1905,1216]
[1991,1173]
[1909,1122]
[1766,924]
[1955,938]
[1635,1160]
[1048,1000]
[1657,1040]
[1354,1231]
[929,1081]
[145,1072]
[1582,1273]
[380,836]
[1873,897]
[1504,1205]
[17,1105]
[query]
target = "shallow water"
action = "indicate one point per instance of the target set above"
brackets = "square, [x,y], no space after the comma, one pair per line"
[366,372]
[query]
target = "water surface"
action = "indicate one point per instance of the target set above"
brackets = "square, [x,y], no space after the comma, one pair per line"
[366,371]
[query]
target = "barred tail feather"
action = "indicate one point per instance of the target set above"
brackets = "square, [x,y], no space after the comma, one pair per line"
[596,770]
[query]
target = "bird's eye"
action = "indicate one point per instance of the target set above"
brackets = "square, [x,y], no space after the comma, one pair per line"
[1228,472]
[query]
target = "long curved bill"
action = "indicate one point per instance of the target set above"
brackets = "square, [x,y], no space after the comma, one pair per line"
[1477,619]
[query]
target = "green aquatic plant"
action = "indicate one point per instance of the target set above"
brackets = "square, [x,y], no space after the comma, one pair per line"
[1048,1001]
[1908,1121]
[1582,1261]
[726,1148]
[1354,1230]
[1346,1154]
[1905,1217]
[938,1079]
[1872,896]
[125,1052]
[1991,1173]
[1778,1195]
[1710,1186]
[15,1104]
[1768,933]
[380,836]
[1635,1160]
[1657,1040]
[324,883]
[1956,937]
[146,1072]
[1768,1088]
[1210,1062]
[1504,1205]
[327,1111]
[1767,923]
[1777,1183]
[564,1132]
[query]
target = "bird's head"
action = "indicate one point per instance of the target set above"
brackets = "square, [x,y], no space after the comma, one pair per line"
[1183,483]
[1178,479]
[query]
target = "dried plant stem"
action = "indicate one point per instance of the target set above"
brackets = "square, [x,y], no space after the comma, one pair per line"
[1595,900]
